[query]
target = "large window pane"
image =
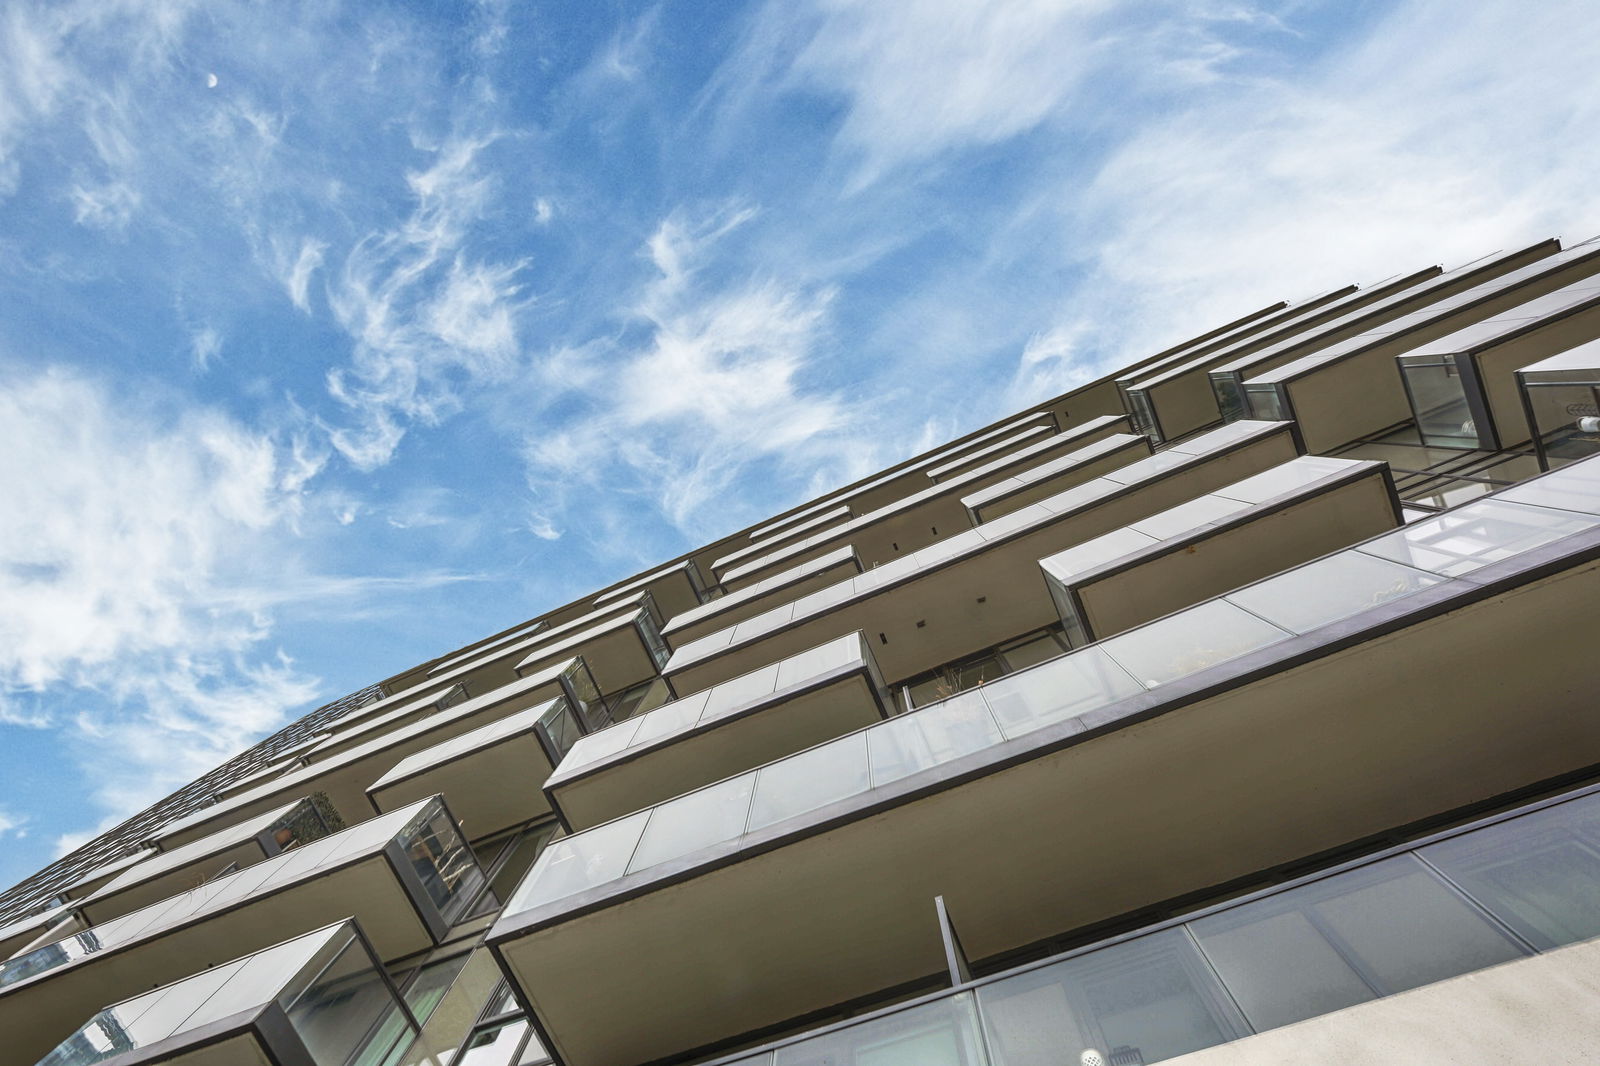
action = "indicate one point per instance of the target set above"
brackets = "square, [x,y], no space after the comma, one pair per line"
[442,861]
[1188,642]
[1139,1002]
[942,1033]
[1329,589]
[809,780]
[1540,873]
[1369,932]
[348,1007]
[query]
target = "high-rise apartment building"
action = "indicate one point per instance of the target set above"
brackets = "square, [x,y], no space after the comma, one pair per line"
[1235,708]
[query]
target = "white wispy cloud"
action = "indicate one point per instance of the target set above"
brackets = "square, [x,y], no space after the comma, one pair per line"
[1449,133]
[13,825]
[142,557]
[426,315]
[716,387]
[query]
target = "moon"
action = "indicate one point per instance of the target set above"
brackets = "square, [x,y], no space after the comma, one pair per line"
[211,81]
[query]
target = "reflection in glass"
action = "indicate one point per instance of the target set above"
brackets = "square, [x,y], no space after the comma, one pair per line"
[942,1033]
[1540,873]
[1329,589]
[448,870]
[1470,537]
[1562,398]
[1438,396]
[1190,641]
[1368,932]
[494,1047]
[348,1014]
[1138,1002]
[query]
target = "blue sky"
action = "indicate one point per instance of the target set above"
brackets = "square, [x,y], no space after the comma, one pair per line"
[333,336]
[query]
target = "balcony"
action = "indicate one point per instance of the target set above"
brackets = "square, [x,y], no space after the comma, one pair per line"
[1503,889]
[1346,391]
[476,771]
[674,589]
[1561,397]
[1462,388]
[915,521]
[321,999]
[987,454]
[495,665]
[1227,380]
[1028,487]
[980,587]
[819,572]
[406,876]
[620,652]
[1175,398]
[775,711]
[163,874]
[1303,509]
[1243,331]
[343,778]
[1234,736]
[890,486]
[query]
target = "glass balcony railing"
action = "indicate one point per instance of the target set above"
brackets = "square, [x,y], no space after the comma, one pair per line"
[1501,889]
[1561,400]
[322,999]
[1394,565]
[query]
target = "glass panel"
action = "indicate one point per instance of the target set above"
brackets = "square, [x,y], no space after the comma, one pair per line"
[669,718]
[697,820]
[1066,565]
[518,859]
[1329,589]
[650,633]
[1540,873]
[300,825]
[349,1007]
[941,1033]
[1372,931]
[560,726]
[1566,415]
[573,864]
[1058,690]
[846,651]
[809,780]
[446,866]
[585,694]
[1139,1002]
[1571,488]
[902,746]
[1265,403]
[1476,535]
[1189,641]
[601,745]
[1187,517]
[495,1046]
[431,983]
[1439,401]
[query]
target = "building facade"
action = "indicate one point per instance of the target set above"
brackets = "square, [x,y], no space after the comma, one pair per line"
[1234,708]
